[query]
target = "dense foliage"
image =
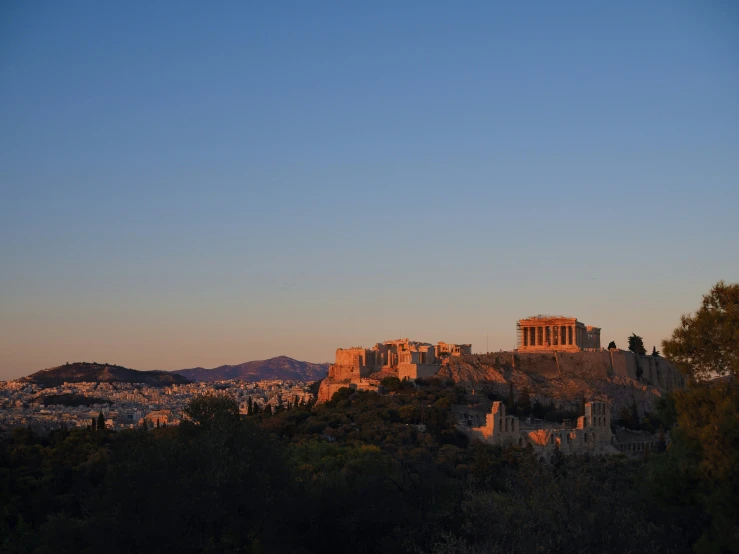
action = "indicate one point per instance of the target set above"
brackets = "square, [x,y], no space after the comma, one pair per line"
[364,473]
[706,344]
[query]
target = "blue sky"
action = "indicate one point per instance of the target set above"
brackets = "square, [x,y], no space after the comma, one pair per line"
[420,169]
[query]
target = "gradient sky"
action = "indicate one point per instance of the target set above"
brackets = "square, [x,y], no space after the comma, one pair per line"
[433,170]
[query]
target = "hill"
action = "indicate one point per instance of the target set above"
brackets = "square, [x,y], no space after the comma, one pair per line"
[85,372]
[621,377]
[280,367]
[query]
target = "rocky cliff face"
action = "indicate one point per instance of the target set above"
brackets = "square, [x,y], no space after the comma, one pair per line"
[619,376]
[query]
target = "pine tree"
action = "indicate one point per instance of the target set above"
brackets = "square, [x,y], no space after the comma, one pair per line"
[636,344]
[510,404]
[524,402]
[655,352]
[157,423]
[249,408]
[101,421]
[93,425]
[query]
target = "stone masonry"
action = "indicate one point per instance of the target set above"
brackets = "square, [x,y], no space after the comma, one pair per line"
[592,434]
[564,334]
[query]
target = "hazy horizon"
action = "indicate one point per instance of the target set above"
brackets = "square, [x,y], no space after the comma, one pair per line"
[195,187]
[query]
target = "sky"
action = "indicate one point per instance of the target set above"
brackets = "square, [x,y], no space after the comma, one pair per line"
[192,184]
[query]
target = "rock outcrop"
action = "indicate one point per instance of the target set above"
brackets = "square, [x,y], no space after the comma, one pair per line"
[621,377]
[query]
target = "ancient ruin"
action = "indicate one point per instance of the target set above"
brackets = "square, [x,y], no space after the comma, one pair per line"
[558,333]
[411,359]
[592,433]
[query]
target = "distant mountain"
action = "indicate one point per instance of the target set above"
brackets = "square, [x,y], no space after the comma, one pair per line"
[280,367]
[80,372]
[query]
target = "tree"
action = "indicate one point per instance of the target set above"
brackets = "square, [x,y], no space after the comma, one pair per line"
[93,425]
[706,344]
[655,352]
[524,402]
[211,409]
[510,403]
[700,471]
[249,407]
[101,421]
[636,344]
[612,345]
[390,383]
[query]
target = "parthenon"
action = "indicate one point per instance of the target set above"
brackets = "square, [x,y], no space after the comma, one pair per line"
[546,333]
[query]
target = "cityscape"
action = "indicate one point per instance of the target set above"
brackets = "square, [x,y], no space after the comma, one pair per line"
[415,277]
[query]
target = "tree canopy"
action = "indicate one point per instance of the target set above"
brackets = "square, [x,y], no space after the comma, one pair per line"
[212,409]
[636,344]
[706,344]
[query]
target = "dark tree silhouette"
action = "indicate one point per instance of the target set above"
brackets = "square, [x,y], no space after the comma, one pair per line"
[636,344]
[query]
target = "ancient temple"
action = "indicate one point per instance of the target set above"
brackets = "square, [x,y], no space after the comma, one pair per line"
[566,334]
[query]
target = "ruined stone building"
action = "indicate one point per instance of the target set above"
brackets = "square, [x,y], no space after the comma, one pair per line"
[412,358]
[564,334]
[592,434]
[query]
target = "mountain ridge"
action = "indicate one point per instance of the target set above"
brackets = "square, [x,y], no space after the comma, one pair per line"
[279,367]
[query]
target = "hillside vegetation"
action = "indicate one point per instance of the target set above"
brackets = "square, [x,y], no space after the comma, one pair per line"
[366,473]
[281,367]
[82,372]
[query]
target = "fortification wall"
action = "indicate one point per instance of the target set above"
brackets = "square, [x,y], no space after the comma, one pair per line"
[539,363]
[600,364]
[588,365]
[327,389]
[339,372]
[417,371]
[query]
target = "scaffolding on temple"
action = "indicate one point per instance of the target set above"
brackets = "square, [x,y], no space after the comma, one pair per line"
[520,340]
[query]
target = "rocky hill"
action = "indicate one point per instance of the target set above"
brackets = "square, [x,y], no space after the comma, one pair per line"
[621,377]
[84,372]
[280,367]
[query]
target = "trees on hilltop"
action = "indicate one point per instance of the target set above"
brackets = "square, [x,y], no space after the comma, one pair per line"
[706,344]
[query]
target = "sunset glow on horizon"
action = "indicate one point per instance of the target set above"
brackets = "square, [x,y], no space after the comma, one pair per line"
[202,186]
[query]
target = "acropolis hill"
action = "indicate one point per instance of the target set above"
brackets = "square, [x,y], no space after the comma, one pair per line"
[556,358]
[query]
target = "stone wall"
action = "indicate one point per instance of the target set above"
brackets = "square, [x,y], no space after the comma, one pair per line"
[544,363]
[600,364]
[593,432]
[417,371]
[590,365]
